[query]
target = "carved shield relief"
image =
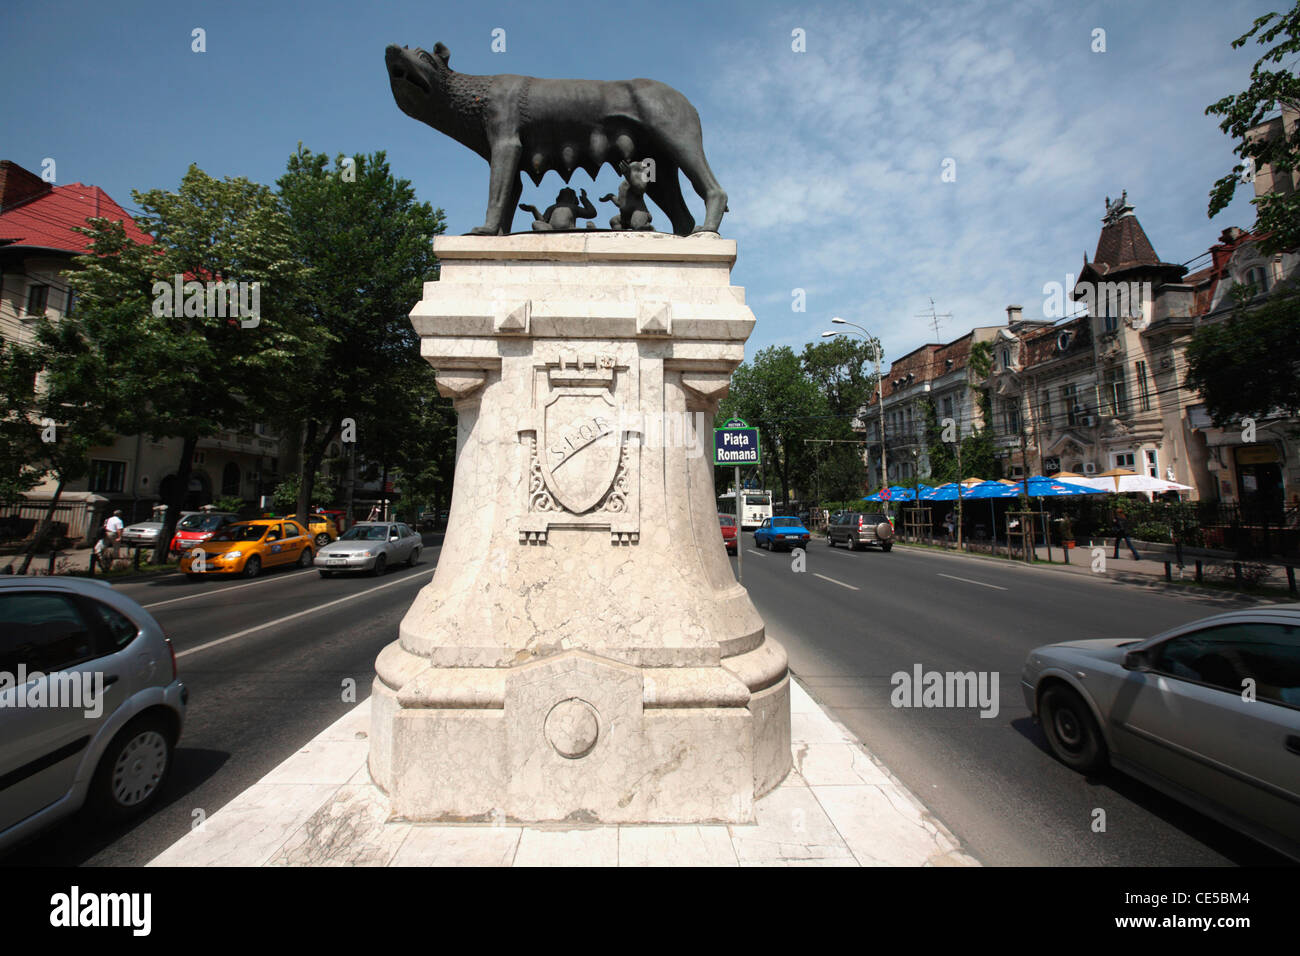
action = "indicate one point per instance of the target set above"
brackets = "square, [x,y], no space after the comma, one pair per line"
[583,462]
[579,447]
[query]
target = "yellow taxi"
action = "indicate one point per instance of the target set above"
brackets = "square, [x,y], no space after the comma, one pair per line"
[323,529]
[246,547]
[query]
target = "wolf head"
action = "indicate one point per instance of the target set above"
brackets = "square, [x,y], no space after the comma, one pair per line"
[415,75]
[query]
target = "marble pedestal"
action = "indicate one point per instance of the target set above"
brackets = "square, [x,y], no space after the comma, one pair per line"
[584,652]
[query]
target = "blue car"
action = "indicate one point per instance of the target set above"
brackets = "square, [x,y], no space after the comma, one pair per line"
[777,533]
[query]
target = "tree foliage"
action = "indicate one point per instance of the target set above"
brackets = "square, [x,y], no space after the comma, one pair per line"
[1277,213]
[1248,366]
[369,247]
[171,371]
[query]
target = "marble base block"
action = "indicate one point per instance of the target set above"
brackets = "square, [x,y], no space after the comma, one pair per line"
[584,652]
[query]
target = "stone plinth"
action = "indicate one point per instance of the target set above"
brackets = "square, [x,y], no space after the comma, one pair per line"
[584,652]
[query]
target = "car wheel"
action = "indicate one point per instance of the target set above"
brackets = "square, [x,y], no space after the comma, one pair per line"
[304,559]
[133,768]
[850,543]
[414,559]
[887,546]
[327,574]
[378,569]
[253,567]
[194,577]
[322,539]
[1071,731]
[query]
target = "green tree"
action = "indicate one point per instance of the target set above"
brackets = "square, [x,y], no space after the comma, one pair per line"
[20,433]
[775,394]
[64,411]
[1278,213]
[369,246]
[1248,366]
[188,369]
[842,370]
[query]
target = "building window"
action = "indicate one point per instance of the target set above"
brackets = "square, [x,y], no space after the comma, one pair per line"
[1114,394]
[1110,323]
[1153,465]
[1046,409]
[1124,459]
[36,298]
[1013,418]
[1070,400]
[1258,277]
[947,407]
[1144,390]
[230,479]
[107,476]
[1006,359]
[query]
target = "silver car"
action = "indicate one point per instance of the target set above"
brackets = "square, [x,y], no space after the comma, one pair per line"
[144,534]
[90,706]
[370,546]
[1208,713]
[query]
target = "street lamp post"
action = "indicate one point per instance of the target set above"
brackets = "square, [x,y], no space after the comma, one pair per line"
[880,390]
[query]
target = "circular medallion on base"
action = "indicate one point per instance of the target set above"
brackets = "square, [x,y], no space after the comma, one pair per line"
[572,728]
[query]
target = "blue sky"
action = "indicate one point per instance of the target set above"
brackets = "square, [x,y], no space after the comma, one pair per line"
[832,157]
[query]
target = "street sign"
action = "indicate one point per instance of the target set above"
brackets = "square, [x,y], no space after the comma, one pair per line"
[735,444]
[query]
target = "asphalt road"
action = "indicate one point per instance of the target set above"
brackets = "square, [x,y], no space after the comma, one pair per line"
[851,620]
[265,661]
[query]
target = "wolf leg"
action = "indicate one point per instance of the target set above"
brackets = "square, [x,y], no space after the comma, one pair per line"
[666,191]
[503,184]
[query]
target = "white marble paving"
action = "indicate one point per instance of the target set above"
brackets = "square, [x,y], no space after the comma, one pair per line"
[838,807]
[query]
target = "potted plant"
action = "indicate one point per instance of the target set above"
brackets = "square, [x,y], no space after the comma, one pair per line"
[1066,531]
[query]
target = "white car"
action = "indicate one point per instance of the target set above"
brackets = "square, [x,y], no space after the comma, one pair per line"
[90,705]
[370,546]
[1208,713]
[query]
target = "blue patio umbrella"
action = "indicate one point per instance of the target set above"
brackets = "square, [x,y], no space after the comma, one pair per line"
[898,493]
[1040,487]
[949,492]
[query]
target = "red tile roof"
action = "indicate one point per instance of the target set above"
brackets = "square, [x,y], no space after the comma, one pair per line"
[47,221]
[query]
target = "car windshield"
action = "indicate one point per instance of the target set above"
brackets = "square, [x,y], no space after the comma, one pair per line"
[726,521]
[785,522]
[240,532]
[200,523]
[366,533]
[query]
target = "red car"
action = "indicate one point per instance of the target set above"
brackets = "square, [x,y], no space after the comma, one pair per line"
[728,524]
[196,528]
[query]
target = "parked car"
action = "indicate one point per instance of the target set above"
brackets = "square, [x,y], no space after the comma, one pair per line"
[781,532]
[728,525]
[1208,713]
[858,529]
[370,546]
[323,529]
[199,526]
[110,749]
[245,547]
[144,534]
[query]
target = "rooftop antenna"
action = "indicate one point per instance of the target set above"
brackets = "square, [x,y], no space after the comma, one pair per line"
[934,318]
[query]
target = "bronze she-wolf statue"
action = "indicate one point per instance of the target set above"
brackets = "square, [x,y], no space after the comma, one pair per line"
[524,124]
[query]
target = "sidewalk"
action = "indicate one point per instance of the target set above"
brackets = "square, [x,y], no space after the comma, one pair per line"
[1149,570]
[838,807]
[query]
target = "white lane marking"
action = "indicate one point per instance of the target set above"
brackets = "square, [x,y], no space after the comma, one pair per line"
[218,591]
[833,581]
[969,581]
[759,553]
[290,617]
[236,587]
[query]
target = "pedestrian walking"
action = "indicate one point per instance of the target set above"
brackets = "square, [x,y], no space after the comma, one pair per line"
[112,536]
[1121,533]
